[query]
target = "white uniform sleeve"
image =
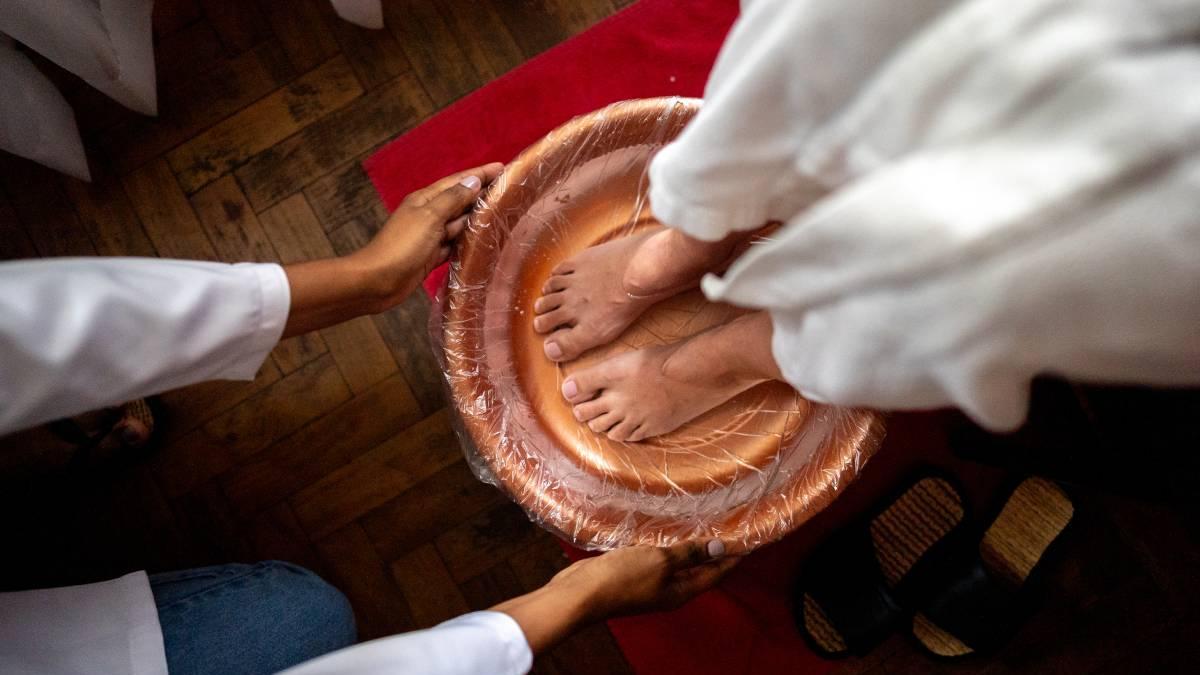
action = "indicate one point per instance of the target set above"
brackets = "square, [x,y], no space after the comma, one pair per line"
[480,643]
[80,334]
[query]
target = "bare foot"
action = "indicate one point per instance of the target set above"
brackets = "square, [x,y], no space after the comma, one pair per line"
[591,298]
[653,391]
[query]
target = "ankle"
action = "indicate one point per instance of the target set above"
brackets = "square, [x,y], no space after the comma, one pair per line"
[671,261]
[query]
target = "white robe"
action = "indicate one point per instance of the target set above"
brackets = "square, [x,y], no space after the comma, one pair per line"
[84,333]
[973,193]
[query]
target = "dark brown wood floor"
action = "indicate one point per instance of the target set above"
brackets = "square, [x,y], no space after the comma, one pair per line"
[339,455]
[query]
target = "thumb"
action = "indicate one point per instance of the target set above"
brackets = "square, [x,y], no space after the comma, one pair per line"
[452,201]
[691,553]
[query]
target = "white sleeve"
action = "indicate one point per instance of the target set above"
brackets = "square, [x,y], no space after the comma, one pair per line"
[785,69]
[78,334]
[480,643]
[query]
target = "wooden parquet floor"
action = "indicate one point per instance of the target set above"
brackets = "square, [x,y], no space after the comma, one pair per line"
[339,455]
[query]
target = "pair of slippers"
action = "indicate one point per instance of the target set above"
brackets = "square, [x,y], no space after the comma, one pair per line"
[921,564]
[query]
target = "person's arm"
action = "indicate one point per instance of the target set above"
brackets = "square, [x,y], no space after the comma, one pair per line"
[81,334]
[505,639]
[625,581]
[413,241]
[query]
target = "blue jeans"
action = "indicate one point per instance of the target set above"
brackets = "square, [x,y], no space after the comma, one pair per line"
[248,619]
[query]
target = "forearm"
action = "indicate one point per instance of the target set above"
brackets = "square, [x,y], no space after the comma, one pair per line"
[330,291]
[548,615]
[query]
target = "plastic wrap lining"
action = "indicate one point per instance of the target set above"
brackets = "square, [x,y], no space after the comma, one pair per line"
[748,471]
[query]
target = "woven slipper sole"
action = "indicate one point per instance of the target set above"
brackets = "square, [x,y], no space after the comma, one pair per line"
[1033,517]
[901,534]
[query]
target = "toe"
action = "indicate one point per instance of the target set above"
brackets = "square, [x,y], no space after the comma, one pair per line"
[549,303]
[590,410]
[638,434]
[584,385]
[605,422]
[545,323]
[571,343]
[554,284]
[565,267]
[624,431]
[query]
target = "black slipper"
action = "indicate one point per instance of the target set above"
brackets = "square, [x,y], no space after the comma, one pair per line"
[853,588]
[971,600]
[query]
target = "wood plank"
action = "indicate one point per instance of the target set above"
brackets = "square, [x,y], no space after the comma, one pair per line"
[239,25]
[472,546]
[238,434]
[301,29]
[361,354]
[491,588]
[14,243]
[288,166]
[483,37]
[432,49]
[535,26]
[107,215]
[291,354]
[169,16]
[205,514]
[295,231]
[320,448]
[187,107]
[237,236]
[374,54]
[227,145]
[377,476]
[36,196]
[436,504]
[354,566]
[275,534]
[187,52]
[346,195]
[431,595]
[192,406]
[405,329]
[166,214]
[577,16]
[231,224]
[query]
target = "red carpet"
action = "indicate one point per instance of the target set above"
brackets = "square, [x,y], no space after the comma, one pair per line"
[654,48]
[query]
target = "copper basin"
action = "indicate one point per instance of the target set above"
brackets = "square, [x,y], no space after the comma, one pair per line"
[748,471]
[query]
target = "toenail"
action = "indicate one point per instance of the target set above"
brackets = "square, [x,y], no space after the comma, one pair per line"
[570,389]
[554,352]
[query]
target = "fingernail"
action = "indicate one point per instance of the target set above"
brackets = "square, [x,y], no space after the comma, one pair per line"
[716,548]
[570,389]
[471,182]
[554,353]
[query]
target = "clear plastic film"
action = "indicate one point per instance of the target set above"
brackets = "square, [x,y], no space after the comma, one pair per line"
[748,471]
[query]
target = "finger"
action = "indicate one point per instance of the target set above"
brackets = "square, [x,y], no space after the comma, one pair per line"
[701,578]
[454,200]
[687,554]
[485,173]
[455,227]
